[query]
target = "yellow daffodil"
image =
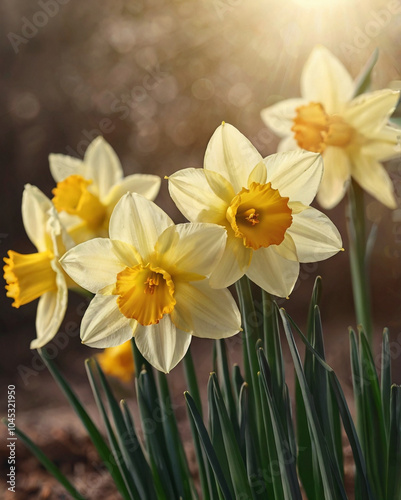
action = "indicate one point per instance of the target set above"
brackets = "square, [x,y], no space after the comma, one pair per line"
[39,275]
[118,361]
[264,206]
[150,281]
[87,190]
[352,133]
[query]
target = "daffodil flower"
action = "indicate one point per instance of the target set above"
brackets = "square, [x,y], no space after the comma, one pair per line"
[352,133]
[264,206]
[39,275]
[118,361]
[87,190]
[150,281]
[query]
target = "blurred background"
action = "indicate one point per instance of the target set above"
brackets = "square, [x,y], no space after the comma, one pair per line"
[155,78]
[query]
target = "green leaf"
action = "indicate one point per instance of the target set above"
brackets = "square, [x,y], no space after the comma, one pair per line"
[235,461]
[260,488]
[149,407]
[208,447]
[326,406]
[191,379]
[224,377]
[362,82]
[309,475]
[238,380]
[394,452]
[216,434]
[243,419]
[150,410]
[46,462]
[285,482]
[274,462]
[385,382]
[252,334]
[176,454]
[117,452]
[331,478]
[93,432]
[366,491]
[315,301]
[375,438]
[136,449]
[357,385]
[132,453]
[207,482]
[272,345]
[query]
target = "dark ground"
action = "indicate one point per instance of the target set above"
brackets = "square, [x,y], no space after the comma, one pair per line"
[156,78]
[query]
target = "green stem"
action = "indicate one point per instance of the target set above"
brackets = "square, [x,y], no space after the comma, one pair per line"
[251,365]
[358,261]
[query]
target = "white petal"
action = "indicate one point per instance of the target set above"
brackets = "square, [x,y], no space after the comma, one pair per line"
[79,230]
[272,272]
[60,240]
[146,185]
[35,207]
[103,325]
[192,192]
[369,113]
[280,117]
[220,186]
[102,166]
[205,312]
[258,174]
[287,144]
[51,311]
[62,166]
[315,236]
[96,263]
[324,79]
[384,145]
[287,248]
[163,345]
[233,263]
[232,155]
[336,175]
[138,222]
[296,174]
[373,178]
[192,248]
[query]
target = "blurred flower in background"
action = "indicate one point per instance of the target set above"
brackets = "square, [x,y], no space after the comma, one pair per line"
[118,361]
[39,275]
[352,133]
[88,190]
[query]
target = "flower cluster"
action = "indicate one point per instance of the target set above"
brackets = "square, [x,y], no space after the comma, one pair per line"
[162,283]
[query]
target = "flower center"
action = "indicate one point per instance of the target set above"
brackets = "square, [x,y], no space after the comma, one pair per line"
[146,293]
[72,196]
[259,215]
[314,129]
[28,276]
